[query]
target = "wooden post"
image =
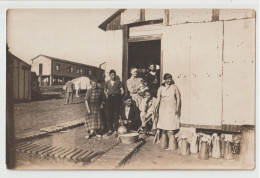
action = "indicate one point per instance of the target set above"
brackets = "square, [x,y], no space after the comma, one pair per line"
[166,17]
[125,57]
[247,147]
[215,14]
[142,15]
[51,80]
[40,80]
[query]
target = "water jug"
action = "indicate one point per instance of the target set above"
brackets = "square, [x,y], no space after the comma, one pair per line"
[204,149]
[228,154]
[215,146]
[172,142]
[185,146]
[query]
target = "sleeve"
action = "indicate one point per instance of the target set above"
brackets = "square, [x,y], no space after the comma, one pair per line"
[102,96]
[130,87]
[136,114]
[88,94]
[178,96]
[105,86]
[143,105]
[158,96]
[120,84]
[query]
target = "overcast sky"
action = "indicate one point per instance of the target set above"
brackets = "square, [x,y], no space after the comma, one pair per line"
[67,34]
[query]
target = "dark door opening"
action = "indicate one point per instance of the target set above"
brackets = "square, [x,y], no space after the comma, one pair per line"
[140,54]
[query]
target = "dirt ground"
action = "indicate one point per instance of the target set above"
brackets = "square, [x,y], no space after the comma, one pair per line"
[70,139]
[151,156]
[33,116]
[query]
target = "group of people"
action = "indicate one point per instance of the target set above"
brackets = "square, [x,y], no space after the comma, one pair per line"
[145,103]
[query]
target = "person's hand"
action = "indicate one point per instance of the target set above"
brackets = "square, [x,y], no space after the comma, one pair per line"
[129,121]
[89,112]
[125,121]
[101,106]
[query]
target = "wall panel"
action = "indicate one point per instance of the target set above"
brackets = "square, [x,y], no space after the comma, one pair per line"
[239,72]
[176,61]
[206,73]
[114,52]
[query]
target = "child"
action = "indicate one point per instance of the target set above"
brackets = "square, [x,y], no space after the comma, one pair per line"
[147,108]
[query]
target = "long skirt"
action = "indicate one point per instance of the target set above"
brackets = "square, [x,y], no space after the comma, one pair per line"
[94,120]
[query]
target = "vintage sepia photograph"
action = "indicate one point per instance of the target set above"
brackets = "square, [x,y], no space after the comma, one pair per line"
[131,89]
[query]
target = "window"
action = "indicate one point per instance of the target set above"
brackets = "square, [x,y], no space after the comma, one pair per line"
[40,69]
[89,72]
[70,69]
[81,71]
[94,73]
[78,71]
[57,67]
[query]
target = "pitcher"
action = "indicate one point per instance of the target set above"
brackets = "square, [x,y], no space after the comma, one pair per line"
[185,146]
[215,146]
[204,149]
[194,145]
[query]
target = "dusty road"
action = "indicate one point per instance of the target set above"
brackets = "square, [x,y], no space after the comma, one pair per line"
[33,116]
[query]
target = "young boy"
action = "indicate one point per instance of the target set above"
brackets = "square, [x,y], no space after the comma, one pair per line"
[147,108]
[113,91]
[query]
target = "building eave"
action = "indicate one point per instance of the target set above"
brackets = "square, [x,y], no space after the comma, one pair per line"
[109,19]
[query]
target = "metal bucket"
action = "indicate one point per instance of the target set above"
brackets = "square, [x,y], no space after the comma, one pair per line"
[129,138]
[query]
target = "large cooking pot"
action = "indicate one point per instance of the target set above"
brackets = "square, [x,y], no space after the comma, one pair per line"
[129,138]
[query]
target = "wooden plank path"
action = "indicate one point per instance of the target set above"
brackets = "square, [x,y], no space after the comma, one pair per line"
[117,156]
[47,130]
[46,151]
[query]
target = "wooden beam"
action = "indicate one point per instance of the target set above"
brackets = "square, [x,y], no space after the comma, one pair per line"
[215,14]
[146,23]
[125,56]
[142,15]
[166,17]
[145,38]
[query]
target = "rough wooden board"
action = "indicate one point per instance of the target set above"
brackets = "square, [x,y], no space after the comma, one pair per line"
[75,157]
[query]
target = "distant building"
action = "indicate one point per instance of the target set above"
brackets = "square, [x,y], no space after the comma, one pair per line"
[19,74]
[53,71]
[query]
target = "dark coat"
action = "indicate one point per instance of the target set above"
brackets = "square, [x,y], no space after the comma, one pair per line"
[134,116]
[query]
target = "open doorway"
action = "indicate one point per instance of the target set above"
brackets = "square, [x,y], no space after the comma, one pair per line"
[140,54]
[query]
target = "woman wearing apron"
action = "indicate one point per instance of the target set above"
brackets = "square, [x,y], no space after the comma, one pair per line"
[168,103]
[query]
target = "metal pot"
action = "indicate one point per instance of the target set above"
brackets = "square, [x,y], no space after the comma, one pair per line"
[129,138]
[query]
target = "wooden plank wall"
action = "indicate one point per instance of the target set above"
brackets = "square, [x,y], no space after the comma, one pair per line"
[217,59]
[21,79]
[239,72]
[114,52]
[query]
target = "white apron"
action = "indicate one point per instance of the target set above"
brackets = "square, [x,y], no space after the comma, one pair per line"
[168,120]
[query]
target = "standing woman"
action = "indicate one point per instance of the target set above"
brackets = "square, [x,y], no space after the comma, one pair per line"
[168,101]
[136,87]
[94,101]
